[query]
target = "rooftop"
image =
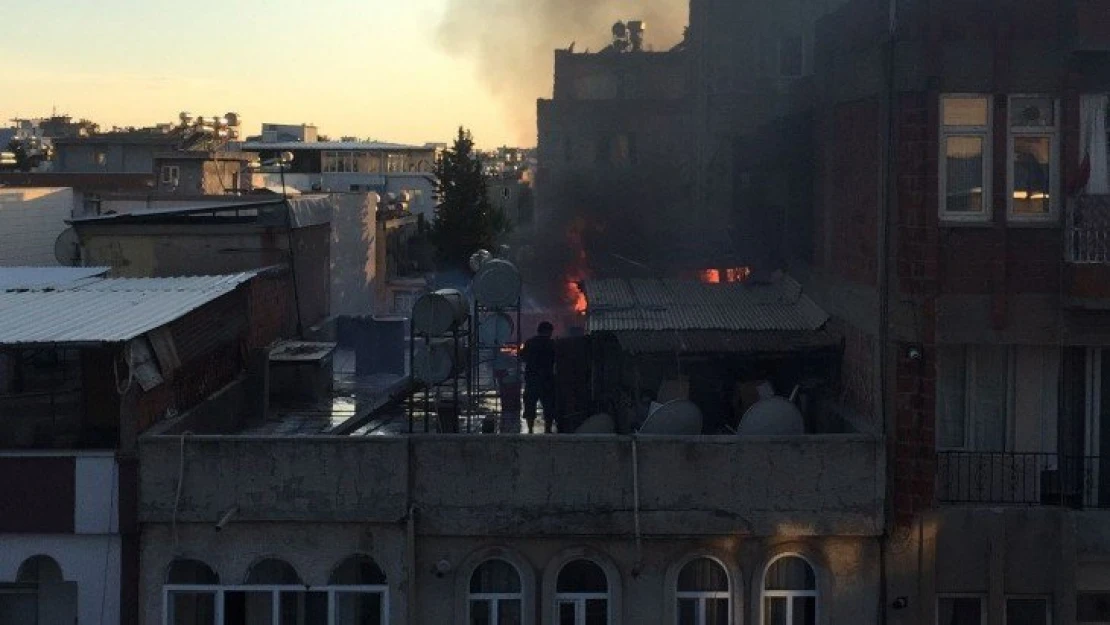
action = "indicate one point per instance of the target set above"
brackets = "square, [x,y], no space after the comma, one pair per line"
[100,310]
[262,146]
[43,278]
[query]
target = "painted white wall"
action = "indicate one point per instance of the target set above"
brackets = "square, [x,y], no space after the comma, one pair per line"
[92,561]
[96,505]
[30,221]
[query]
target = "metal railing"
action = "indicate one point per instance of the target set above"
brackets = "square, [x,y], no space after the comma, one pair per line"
[1019,478]
[1088,230]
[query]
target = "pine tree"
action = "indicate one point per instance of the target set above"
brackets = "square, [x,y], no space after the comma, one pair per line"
[465,220]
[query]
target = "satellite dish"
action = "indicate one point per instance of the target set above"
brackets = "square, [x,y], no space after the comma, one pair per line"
[600,423]
[67,248]
[773,416]
[675,418]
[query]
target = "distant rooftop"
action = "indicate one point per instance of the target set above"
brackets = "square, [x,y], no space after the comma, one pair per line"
[261,146]
[94,311]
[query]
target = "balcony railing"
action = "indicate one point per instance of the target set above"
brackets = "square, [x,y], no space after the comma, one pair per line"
[1088,230]
[1016,478]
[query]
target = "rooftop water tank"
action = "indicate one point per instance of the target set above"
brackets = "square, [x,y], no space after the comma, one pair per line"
[439,312]
[497,284]
[496,330]
[435,362]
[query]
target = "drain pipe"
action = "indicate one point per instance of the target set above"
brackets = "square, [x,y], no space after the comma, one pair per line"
[636,509]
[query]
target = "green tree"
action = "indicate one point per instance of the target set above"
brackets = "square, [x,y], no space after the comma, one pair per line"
[465,220]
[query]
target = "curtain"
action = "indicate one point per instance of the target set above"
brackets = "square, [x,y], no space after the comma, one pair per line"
[1093,143]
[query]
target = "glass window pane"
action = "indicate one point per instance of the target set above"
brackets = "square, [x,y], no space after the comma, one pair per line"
[1032,175]
[358,571]
[1092,607]
[951,397]
[1032,112]
[566,613]
[192,572]
[597,612]
[19,608]
[805,611]
[1026,612]
[480,612]
[774,611]
[959,611]
[582,576]
[702,574]
[963,164]
[509,612]
[358,608]
[191,608]
[304,608]
[716,612]
[495,576]
[688,612]
[964,111]
[989,391]
[248,608]
[790,573]
[273,571]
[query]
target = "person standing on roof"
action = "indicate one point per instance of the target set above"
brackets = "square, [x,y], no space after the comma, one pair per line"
[538,356]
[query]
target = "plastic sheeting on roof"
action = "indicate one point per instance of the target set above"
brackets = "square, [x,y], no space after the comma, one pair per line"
[23,278]
[615,305]
[106,310]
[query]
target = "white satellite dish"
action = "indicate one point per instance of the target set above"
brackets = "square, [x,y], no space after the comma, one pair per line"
[678,417]
[773,416]
[67,248]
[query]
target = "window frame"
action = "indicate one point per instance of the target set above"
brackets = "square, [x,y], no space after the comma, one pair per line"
[579,599]
[220,591]
[982,597]
[1047,606]
[494,598]
[986,134]
[789,595]
[1053,134]
[702,596]
[171,174]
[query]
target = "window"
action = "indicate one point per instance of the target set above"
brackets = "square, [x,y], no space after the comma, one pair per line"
[495,594]
[395,163]
[965,157]
[273,593]
[338,162]
[789,593]
[1034,162]
[100,157]
[1027,611]
[702,594]
[1092,608]
[581,594]
[961,610]
[171,174]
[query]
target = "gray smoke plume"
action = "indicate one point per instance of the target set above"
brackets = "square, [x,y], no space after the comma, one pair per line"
[513,41]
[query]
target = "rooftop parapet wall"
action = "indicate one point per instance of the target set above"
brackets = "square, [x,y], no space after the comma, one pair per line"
[520,485]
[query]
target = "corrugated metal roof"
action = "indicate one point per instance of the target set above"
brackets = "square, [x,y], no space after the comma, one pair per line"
[664,304]
[107,310]
[17,278]
[722,341]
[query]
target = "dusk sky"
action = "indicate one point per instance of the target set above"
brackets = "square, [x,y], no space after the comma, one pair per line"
[369,68]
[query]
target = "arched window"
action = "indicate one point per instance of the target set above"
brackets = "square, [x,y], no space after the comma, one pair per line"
[496,596]
[188,602]
[272,572]
[789,592]
[702,593]
[360,590]
[581,594]
[39,570]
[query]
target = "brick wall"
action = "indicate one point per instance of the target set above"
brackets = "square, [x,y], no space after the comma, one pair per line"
[270,309]
[913,450]
[857,372]
[916,186]
[851,189]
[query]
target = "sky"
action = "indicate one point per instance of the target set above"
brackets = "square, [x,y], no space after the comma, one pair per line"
[365,68]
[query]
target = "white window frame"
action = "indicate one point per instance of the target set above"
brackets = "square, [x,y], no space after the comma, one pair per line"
[1053,134]
[171,174]
[220,591]
[495,598]
[702,596]
[982,132]
[962,595]
[1047,606]
[789,595]
[578,600]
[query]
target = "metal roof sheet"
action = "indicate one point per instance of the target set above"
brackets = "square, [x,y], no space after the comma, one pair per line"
[666,304]
[106,310]
[723,341]
[16,278]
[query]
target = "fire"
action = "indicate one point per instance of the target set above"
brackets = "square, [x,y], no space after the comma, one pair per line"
[578,269]
[511,350]
[729,275]
[576,297]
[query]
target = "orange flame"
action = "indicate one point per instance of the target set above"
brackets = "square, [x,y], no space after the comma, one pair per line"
[710,276]
[579,269]
[729,275]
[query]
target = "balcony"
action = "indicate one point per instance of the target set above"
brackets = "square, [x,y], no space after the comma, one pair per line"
[1087,271]
[510,485]
[1022,479]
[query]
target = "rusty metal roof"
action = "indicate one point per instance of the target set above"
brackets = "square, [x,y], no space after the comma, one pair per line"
[105,310]
[615,305]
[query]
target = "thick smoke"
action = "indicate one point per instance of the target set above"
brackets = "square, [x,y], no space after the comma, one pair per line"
[513,41]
